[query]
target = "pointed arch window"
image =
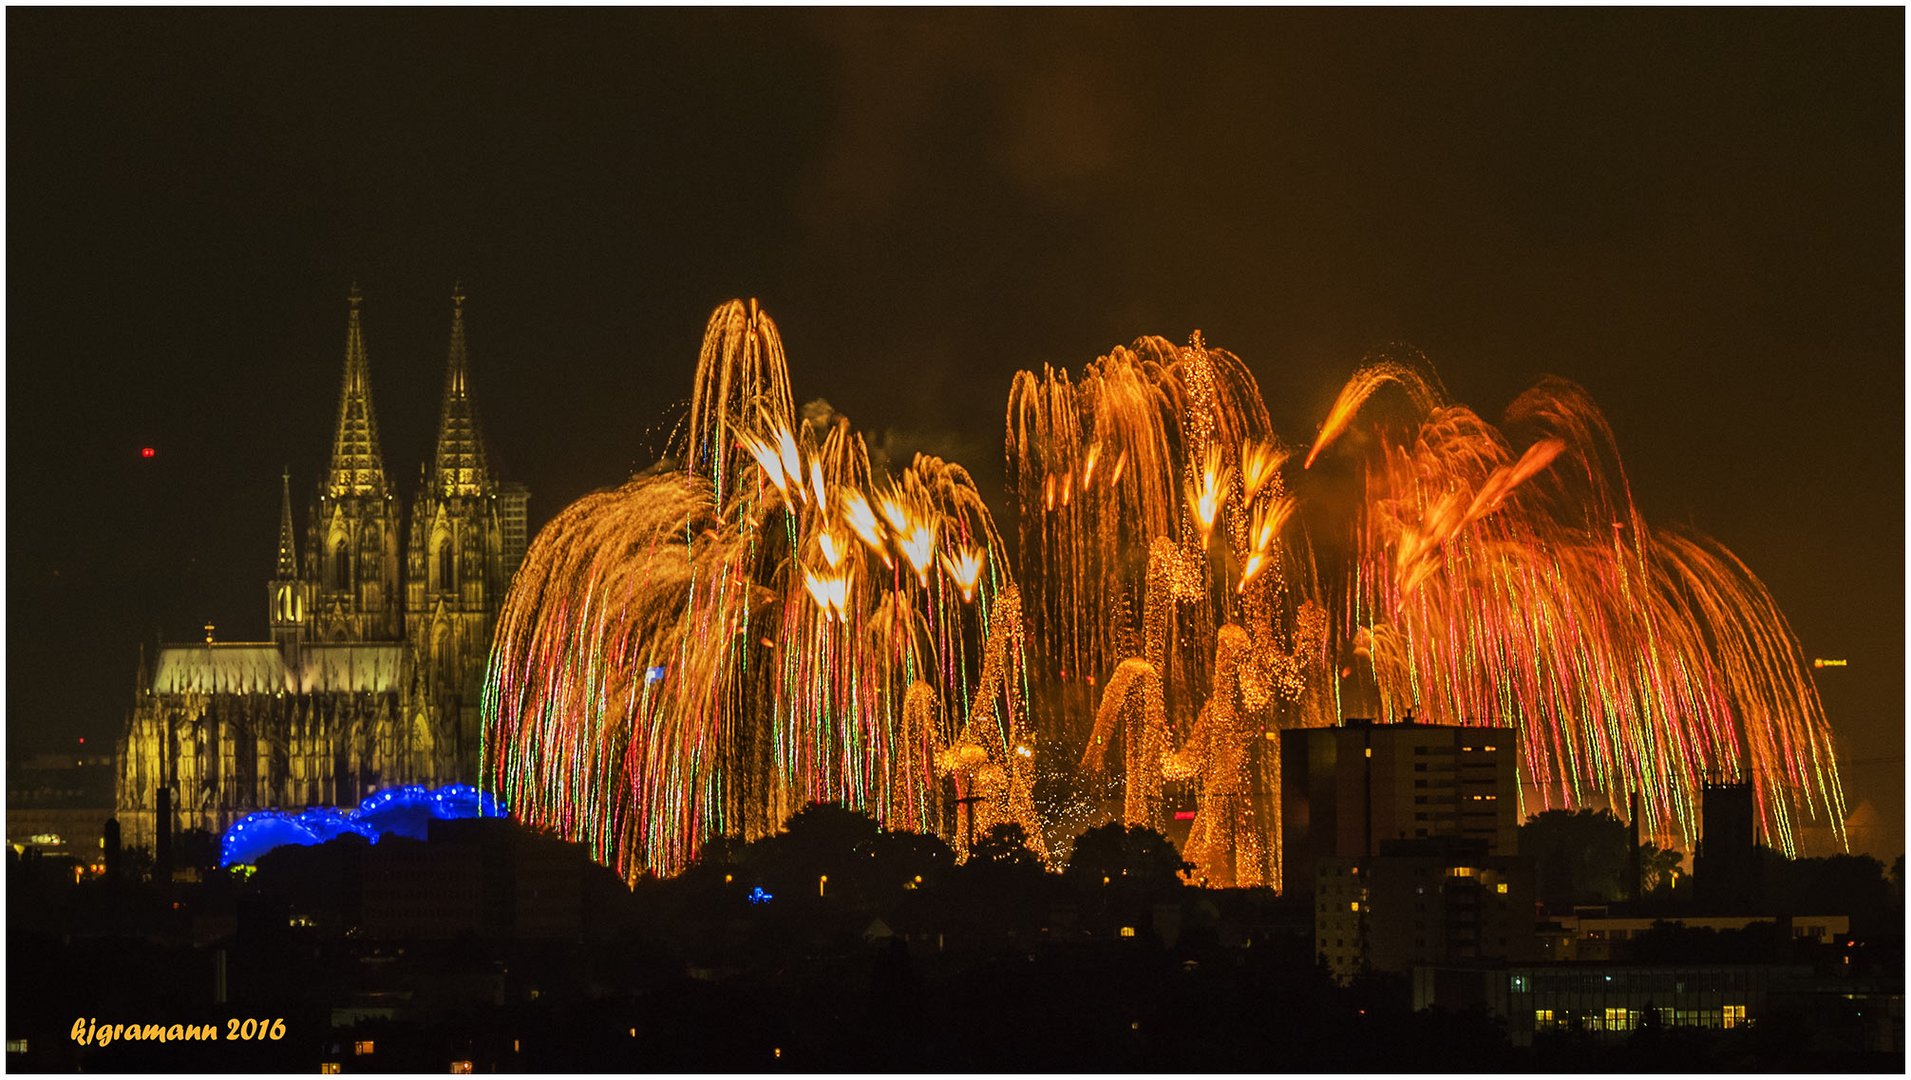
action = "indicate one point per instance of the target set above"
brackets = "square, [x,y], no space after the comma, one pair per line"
[447,564]
[342,565]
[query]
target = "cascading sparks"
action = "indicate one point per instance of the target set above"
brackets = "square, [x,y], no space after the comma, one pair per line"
[763,623]
[1481,586]
[708,648]
[1526,589]
[1174,579]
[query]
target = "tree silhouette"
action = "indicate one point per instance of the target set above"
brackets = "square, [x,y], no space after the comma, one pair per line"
[860,860]
[1582,856]
[1005,847]
[1132,859]
[1853,885]
[1657,867]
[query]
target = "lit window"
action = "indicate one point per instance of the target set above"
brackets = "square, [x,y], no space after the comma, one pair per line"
[330,1068]
[1543,1018]
[1734,1015]
[1462,871]
[1127,931]
[1354,906]
[362,1047]
[461,1067]
[1501,887]
[1618,1020]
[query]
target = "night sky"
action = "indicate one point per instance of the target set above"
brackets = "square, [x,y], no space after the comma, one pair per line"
[1698,215]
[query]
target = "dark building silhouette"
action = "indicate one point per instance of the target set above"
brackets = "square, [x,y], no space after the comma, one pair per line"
[1346,789]
[1440,900]
[58,803]
[1404,837]
[1725,868]
[483,878]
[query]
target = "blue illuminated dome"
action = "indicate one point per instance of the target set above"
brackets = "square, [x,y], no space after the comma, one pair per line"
[401,811]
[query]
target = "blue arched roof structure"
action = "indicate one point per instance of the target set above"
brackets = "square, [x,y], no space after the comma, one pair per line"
[401,811]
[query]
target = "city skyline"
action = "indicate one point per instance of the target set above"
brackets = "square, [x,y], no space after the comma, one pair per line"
[915,262]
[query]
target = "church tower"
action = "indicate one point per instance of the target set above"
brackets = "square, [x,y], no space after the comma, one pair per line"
[351,555]
[374,671]
[286,592]
[456,568]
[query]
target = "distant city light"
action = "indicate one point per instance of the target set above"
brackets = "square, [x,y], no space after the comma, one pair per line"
[758,896]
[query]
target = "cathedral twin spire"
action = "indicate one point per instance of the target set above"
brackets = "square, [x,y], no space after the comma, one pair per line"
[358,466]
[358,469]
[459,467]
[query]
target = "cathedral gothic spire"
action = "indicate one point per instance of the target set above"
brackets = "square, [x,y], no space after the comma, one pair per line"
[357,466]
[380,630]
[288,549]
[460,467]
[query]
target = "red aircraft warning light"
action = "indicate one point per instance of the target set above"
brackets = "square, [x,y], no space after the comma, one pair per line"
[148,452]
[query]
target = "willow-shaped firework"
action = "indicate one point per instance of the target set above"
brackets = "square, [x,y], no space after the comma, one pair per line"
[717,643]
[1525,588]
[1198,485]
[1490,580]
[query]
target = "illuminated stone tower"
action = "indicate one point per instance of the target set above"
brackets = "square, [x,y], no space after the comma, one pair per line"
[351,555]
[286,593]
[370,679]
[458,560]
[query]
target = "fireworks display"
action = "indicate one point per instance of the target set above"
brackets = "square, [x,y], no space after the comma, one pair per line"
[1477,584]
[760,625]
[762,622]
[1175,576]
[1525,588]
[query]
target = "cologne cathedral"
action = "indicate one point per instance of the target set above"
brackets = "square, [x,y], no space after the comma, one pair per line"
[380,628]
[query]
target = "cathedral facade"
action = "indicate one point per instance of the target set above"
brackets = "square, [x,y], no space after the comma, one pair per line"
[380,628]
